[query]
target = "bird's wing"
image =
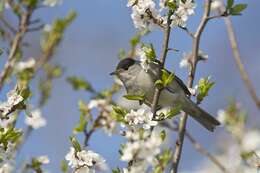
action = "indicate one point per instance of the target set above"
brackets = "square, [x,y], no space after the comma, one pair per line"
[154,69]
[182,85]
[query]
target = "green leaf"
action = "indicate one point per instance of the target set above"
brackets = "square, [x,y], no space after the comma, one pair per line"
[230,3]
[173,111]
[121,54]
[203,88]
[135,97]
[25,93]
[171,4]
[1,51]
[149,51]
[80,84]
[159,84]
[237,9]
[163,135]
[80,127]
[247,154]
[75,144]
[117,170]
[2,6]
[135,40]
[10,135]
[64,166]
[119,113]
[167,77]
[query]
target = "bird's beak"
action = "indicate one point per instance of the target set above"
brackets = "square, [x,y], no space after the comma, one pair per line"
[113,73]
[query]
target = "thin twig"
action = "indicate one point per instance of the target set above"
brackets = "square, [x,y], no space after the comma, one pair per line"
[237,57]
[23,26]
[7,24]
[199,147]
[194,60]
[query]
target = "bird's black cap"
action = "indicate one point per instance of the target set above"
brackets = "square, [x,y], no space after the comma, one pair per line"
[125,63]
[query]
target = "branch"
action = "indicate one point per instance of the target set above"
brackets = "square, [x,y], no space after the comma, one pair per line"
[194,60]
[165,49]
[23,26]
[199,147]
[237,57]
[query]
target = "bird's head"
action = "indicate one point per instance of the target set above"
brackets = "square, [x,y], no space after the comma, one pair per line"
[123,66]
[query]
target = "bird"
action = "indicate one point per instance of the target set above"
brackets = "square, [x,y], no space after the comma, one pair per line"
[140,80]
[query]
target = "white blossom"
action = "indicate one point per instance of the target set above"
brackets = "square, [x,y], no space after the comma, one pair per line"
[184,63]
[7,122]
[95,103]
[130,3]
[13,99]
[43,159]
[143,147]
[6,168]
[202,55]
[7,5]
[8,153]
[221,116]
[47,28]
[142,117]
[52,3]
[22,65]
[184,10]
[216,5]
[141,18]
[86,159]
[193,90]
[251,141]
[107,122]
[138,167]
[35,120]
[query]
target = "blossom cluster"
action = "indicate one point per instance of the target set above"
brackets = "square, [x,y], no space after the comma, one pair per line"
[85,160]
[13,99]
[141,149]
[142,116]
[146,14]
[105,120]
[242,148]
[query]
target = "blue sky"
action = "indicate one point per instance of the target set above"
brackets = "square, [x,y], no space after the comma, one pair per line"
[90,49]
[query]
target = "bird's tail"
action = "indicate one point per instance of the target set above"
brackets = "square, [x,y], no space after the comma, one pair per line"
[204,118]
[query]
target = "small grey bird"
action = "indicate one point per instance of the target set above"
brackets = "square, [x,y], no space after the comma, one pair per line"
[138,81]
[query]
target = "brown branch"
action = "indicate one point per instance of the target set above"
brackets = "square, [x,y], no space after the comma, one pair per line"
[237,57]
[194,60]
[23,26]
[199,148]
[165,49]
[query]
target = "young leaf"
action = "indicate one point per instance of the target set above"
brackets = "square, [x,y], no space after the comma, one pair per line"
[117,170]
[75,144]
[80,127]
[64,166]
[230,3]
[237,9]
[167,77]
[149,51]
[204,86]
[173,111]
[118,113]
[134,97]
[163,135]
[121,54]
[80,84]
